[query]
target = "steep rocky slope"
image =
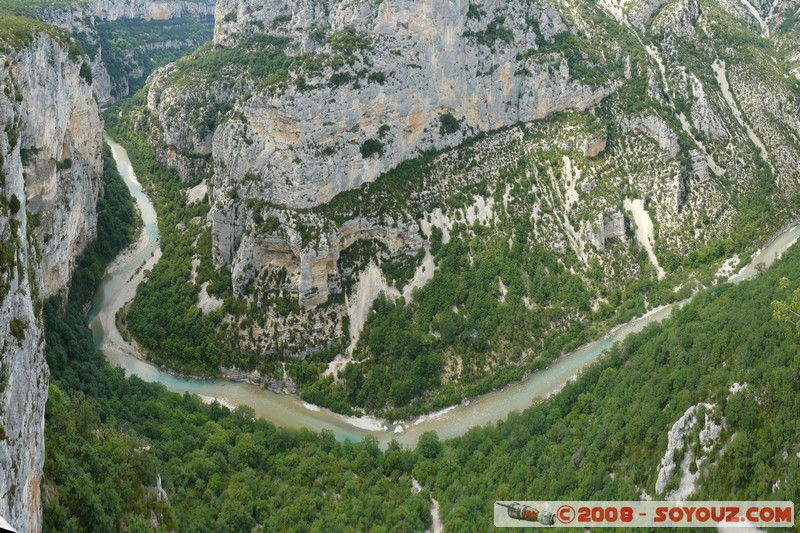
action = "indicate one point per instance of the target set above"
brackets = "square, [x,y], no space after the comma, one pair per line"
[348,149]
[50,152]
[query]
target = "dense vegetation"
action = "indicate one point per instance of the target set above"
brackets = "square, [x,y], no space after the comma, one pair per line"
[110,438]
[164,316]
[462,318]
[615,418]
[113,441]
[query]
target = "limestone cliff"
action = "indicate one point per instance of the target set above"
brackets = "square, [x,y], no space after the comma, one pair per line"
[50,169]
[23,373]
[61,139]
[341,143]
[392,80]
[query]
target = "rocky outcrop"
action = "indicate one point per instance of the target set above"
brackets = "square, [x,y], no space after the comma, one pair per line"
[658,130]
[50,167]
[677,18]
[459,74]
[593,146]
[605,227]
[417,76]
[679,442]
[310,269]
[61,135]
[23,373]
[371,85]
[79,15]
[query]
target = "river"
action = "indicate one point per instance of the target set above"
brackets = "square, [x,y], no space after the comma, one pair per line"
[124,275]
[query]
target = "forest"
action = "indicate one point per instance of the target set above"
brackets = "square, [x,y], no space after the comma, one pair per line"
[163,316]
[605,435]
[122,453]
[125,455]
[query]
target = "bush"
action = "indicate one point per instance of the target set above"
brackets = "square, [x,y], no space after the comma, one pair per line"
[17,328]
[448,124]
[86,73]
[371,147]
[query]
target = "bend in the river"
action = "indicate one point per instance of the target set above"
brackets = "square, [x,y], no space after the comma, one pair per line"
[125,274]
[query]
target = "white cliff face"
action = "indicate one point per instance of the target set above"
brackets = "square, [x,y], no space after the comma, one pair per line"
[50,117]
[111,10]
[23,372]
[61,127]
[433,62]
[420,63]
[84,17]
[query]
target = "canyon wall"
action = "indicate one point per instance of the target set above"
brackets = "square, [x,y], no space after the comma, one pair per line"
[51,168]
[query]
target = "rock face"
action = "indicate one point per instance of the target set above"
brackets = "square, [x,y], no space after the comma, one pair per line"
[607,226]
[427,61]
[110,10]
[62,132]
[422,75]
[313,141]
[309,270]
[51,163]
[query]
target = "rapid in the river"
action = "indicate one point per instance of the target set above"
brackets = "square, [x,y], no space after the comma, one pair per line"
[125,274]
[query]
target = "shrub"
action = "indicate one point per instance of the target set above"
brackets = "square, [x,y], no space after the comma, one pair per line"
[86,73]
[17,328]
[14,204]
[371,147]
[377,77]
[448,124]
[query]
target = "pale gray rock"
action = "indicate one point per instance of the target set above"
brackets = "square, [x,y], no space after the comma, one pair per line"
[658,130]
[62,130]
[310,268]
[80,14]
[677,18]
[51,163]
[23,372]
[704,118]
[699,165]
[299,147]
[606,226]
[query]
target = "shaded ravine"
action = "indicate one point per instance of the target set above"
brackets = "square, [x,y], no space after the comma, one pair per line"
[125,274]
